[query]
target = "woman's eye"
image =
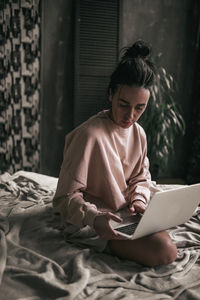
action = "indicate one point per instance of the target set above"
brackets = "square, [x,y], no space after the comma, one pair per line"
[139,108]
[123,105]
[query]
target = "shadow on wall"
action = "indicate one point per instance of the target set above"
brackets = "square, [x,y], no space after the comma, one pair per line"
[172,28]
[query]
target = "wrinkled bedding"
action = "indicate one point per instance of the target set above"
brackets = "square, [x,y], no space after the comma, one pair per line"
[37,262]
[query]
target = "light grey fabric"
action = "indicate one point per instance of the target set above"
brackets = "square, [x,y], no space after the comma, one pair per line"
[38,259]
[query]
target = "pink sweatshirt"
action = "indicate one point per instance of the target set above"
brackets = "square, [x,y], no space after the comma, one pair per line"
[105,168]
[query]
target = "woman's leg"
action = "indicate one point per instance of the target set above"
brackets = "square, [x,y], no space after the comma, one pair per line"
[153,250]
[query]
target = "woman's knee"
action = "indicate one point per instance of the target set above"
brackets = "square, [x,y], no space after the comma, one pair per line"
[166,250]
[157,249]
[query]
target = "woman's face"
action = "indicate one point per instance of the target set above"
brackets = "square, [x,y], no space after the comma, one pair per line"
[128,104]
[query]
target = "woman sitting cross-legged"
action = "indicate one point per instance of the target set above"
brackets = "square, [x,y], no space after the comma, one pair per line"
[105,167]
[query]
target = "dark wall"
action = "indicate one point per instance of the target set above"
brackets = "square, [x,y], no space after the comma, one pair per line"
[56,81]
[171,27]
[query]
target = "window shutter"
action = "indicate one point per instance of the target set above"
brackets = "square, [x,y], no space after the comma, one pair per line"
[97,38]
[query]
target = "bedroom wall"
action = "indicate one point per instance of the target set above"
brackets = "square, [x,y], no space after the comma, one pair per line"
[171,27]
[57,74]
[26,103]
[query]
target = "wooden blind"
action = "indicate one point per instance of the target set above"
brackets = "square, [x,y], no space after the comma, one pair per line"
[97,39]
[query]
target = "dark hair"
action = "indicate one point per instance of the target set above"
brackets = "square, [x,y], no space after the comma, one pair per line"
[134,67]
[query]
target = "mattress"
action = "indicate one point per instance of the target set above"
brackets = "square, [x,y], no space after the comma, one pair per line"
[37,262]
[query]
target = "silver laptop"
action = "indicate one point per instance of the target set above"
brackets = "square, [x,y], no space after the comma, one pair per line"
[166,209]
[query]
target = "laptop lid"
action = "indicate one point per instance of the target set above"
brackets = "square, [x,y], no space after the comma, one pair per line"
[167,209]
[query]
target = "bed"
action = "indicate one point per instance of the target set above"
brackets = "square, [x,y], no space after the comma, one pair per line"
[37,262]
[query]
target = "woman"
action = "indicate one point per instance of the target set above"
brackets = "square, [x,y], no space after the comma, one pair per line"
[105,167]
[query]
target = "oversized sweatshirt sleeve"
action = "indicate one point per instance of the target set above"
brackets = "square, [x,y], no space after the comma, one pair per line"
[139,182]
[69,197]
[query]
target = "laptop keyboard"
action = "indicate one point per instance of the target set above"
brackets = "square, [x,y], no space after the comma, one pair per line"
[127,229]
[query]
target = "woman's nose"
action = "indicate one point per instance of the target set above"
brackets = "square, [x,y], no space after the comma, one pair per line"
[131,114]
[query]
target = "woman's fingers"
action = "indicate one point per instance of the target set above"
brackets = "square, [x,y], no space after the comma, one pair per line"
[137,206]
[103,227]
[109,233]
[140,207]
[115,234]
[131,208]
[114,217]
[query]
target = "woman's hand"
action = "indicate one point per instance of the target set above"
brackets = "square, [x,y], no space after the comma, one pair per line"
[103,228]
[138,206]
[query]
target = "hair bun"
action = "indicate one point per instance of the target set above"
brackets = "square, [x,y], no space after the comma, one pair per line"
[138,49]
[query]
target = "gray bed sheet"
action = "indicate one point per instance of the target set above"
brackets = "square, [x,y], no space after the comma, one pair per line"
[36,262]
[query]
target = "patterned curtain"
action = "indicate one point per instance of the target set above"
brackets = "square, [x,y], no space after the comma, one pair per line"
[19,85]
